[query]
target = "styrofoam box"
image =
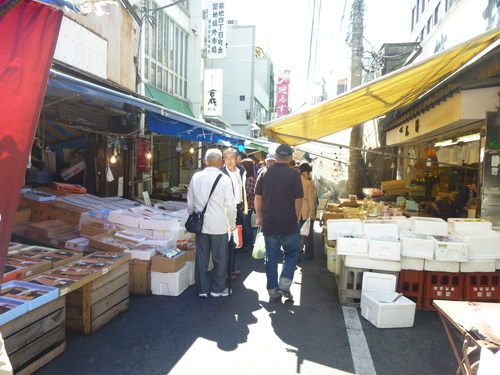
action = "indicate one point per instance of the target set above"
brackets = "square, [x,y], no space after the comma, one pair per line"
[401,221]
[377,294]
[459,224]
[20,309]
[159,222]
[384,247]
[484,244]
[478,265]
[441,266]
[450,248]
[51,293]
[191,264]
[416,245]
[428,225]
[380,227]
[352,244]
[170,284]
[141,254]
[176,234]
[408,263]
[343,225]
[373,264]
[160,241]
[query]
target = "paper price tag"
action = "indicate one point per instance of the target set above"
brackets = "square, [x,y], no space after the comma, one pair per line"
[63,291]
[105,270]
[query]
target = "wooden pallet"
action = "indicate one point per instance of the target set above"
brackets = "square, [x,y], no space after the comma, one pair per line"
[35,338]
[140,277]
[98,302]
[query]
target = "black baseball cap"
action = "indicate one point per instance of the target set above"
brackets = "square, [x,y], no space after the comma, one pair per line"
[284,151]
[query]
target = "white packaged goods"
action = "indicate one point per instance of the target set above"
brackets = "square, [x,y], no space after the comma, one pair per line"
[408,263]
[161,241]
[373,264]
[381,305]
[416,245]
[478,266]
[352,244]
[483,244]
[125,217]
[459,225]
[384,247]
[159,222]
[170,284]
[142,252]
[450,248]
[380,227]
[343,225]
[441,266]
[190,264]
[428,225]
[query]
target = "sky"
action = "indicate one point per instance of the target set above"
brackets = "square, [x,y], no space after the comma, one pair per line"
[283,29]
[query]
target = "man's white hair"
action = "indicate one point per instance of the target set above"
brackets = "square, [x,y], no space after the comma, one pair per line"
[213,155]
[230,150]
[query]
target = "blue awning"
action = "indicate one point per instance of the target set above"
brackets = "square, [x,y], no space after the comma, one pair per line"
[160,120]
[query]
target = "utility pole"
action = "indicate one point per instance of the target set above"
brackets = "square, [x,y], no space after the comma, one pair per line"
[356,140]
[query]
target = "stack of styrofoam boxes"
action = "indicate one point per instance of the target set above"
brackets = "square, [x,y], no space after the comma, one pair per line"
[380,304]
[383,239]
[442,279]
[481,278]
[170,276]
[334,226]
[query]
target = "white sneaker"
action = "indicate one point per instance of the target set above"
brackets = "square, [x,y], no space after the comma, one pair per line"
[224,293]
[203,295]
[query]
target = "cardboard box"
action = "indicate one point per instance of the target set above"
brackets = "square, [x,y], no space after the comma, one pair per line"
[190,254]
[397,191]
[61,257]
[12,272]
[73,170]
[51,227]
[162,184]
[31,266]
[22,215]
[93,229]
[160,263]
[66,211]
[417,191]
[69,187]
[110,243]
[160,177]
[393,184]
[39,210]
[332,215]
[77,244]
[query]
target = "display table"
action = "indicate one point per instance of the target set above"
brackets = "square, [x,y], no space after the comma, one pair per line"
[36,337]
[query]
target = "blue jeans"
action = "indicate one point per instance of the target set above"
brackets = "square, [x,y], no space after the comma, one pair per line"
[291,248]
[248,239]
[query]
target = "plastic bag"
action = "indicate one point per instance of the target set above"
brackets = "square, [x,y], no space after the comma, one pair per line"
[304,231]
[259,247]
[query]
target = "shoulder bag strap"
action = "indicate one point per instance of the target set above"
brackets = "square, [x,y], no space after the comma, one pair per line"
[211,191]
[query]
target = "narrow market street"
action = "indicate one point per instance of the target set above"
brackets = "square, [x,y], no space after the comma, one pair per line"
[246,334]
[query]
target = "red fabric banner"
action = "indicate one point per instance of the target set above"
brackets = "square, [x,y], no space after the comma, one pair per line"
[281,99]
[29,36]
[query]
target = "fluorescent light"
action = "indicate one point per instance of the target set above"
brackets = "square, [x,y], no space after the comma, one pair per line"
[465,139]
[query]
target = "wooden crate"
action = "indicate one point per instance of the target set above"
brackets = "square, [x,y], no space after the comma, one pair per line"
[140,277]
[35,338]
[98,302]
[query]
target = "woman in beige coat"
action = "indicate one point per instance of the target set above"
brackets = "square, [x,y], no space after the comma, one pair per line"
[308,206]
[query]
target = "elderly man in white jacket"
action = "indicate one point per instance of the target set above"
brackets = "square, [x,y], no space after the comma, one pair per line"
[219,217]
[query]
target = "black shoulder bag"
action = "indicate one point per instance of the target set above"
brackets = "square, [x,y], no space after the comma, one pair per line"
[194,223]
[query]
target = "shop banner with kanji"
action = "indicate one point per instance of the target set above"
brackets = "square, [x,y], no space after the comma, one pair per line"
[282,99]
[212,93]
[29,34]
[216,29]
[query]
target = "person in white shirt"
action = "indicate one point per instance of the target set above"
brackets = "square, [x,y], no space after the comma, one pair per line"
[219,216]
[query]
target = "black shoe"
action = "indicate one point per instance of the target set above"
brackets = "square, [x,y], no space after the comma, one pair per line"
[275,299]
[309,258]
[284,293]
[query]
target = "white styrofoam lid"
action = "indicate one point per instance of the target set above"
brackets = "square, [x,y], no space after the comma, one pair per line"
[378,282]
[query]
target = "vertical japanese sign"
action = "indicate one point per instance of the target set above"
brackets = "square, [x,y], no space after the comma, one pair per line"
[143,163]
[216,29]
[282,90]
[212,92]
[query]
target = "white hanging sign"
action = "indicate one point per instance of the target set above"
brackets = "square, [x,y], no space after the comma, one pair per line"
[212,93]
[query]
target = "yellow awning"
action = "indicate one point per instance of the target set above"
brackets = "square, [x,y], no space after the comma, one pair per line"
[379,97]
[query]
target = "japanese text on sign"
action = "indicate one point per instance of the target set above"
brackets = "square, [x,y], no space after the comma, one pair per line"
[216,29]
[212,90]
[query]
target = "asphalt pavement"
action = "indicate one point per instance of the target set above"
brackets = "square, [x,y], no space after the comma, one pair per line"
[246,334]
